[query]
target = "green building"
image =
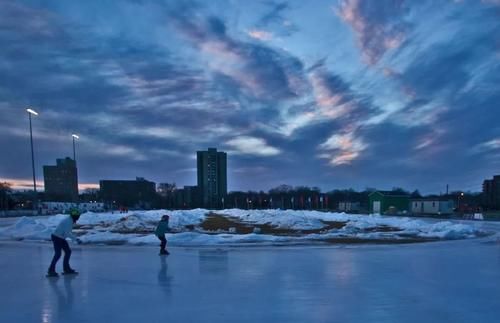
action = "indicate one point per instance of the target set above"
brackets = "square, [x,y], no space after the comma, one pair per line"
[388,202]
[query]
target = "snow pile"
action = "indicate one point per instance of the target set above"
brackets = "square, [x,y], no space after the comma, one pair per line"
[142,220]
[102,219]
[284,219]
[449,230]
[137,227]
[27,228]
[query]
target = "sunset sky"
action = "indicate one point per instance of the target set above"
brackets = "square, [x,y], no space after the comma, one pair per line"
[334,94]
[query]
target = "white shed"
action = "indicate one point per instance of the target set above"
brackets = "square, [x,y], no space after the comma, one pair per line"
[432,206]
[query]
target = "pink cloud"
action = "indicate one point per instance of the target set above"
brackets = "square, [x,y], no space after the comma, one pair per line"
[332,103]
[341,149]
[260,34]
[375,25]
[27,184]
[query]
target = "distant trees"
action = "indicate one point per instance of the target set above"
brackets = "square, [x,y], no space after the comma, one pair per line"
[168,196]
[89,194]
[284,196]
[400,190]
[282,189]
[5,190]
[300,198]
[467,201]
[307,198]
[416,194]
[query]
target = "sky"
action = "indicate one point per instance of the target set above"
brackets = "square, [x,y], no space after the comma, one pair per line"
[333,94]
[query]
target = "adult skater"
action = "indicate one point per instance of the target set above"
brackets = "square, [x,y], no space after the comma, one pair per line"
[63,231]
[160,231]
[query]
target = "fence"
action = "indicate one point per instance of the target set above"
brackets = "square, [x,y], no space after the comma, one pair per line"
[14,213]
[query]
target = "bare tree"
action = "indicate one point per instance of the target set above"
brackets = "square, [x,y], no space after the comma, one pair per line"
[5,189]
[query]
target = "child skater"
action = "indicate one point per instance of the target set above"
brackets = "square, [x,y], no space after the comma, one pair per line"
[161,229]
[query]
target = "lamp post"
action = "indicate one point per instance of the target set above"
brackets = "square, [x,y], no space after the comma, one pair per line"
[74,153]
[461,195]
[33,112]
[74,136]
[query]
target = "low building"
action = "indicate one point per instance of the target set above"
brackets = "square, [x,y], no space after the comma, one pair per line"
[126,193]
[61,181]
[65,207]
[349,206]
[191,197]
[432,206]
[388,202]
[491,193]
[187,197]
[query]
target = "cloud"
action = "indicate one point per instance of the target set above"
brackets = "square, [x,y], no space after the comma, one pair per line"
[262,72]
[492,2]
[334,100]
[418,113]
[24,184]
[41,26]
[257,170]
[190,75]
[117,150]
[275,13]
[157,132]
[274,19]
[252,146]
[379,26]
[341,149]
[493,144]
[260,34]
[333,96]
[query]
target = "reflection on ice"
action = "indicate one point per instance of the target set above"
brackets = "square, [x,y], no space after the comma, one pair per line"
[62,293]
[164,278]
[437,282]
[213,261]
[342,267]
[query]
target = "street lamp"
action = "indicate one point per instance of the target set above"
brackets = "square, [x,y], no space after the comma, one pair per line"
[74,154]
[461,195]
[32,112]
[74,136]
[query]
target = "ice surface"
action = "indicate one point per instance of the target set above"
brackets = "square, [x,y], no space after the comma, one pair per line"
[449,281]
[136,227]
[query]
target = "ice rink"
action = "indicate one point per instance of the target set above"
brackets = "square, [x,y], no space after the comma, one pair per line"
[452,281]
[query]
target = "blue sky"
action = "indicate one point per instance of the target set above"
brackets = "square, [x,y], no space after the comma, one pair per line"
[334,94]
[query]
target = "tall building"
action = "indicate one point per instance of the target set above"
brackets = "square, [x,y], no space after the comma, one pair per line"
[61,181]
[491,193]
[139,193]
[212,177]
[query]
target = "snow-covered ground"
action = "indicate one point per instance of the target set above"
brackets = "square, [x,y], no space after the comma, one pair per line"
[136,227]
[444,281]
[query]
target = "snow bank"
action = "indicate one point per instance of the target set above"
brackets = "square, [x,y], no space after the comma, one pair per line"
[299,220]
[136,227]
[27,228]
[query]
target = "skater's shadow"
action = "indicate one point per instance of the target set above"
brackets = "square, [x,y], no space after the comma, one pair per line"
[164,279]
[64,295]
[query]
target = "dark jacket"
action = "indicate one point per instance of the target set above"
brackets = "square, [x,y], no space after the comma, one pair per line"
[162,228]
